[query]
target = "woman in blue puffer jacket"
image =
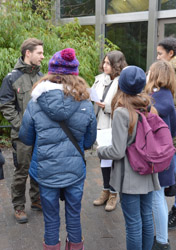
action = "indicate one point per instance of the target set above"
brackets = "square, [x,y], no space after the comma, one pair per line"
[61,95]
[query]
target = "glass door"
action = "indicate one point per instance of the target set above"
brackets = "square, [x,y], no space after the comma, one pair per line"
[166,28]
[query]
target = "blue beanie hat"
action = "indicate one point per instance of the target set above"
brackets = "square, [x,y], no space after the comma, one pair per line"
[132,80]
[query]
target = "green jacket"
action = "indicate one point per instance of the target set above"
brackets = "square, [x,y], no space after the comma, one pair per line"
[15,93]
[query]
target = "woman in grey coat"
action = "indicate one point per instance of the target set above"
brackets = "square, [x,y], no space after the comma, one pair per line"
[136,190]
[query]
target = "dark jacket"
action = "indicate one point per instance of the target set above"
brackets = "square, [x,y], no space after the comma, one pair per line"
[15,93]
[55,160]
[163,102]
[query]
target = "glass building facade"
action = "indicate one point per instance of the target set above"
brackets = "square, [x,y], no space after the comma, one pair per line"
[136,26]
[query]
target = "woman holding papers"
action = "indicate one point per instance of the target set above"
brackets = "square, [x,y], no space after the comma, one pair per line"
[106,86]
[136,190]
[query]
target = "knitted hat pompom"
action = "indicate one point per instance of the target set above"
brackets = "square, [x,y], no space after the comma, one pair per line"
[64,62]
[68,54]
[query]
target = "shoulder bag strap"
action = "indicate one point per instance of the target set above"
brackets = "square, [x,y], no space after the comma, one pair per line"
[104,96]
[72,138]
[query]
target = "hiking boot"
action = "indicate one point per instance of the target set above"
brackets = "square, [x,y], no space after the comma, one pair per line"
[21,216]
[112,202]
[159,246]
[104,196]
[172,218]
[36,205]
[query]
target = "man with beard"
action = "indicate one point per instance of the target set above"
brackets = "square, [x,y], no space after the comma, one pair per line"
[15,94]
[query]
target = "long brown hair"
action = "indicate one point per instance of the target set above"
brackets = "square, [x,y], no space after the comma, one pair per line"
[161,75]
[117,61]
[73,85]
[131,102]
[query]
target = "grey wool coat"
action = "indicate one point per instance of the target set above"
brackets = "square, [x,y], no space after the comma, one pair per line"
[131,182]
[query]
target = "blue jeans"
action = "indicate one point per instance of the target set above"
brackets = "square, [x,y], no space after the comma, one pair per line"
[160,213]
[137,210]
[50,204]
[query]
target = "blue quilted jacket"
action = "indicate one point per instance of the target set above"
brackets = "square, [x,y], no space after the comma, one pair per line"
[55,160]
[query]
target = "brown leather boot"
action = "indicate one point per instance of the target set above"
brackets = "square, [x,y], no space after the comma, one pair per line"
[104,196]
[112,202]
[36,205]
[21,216]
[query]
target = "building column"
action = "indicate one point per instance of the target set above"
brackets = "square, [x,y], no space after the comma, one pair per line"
[152,32]
[99,24]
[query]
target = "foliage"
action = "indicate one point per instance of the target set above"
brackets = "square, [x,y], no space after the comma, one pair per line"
[21,19]
[5,141]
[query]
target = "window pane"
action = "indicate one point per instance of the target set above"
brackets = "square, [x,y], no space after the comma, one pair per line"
[125,6]
[167,4]
[170,30]
[132,40]
[77,8]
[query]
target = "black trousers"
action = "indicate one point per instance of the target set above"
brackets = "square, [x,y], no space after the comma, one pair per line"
[106,172]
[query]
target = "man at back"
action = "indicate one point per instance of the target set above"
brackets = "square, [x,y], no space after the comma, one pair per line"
[15,93]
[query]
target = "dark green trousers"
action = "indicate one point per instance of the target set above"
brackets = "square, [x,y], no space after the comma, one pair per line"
[22,158]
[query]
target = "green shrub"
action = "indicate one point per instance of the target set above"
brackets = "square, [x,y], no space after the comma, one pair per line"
[20,20]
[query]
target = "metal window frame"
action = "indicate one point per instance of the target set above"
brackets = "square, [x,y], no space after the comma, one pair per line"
[101,19]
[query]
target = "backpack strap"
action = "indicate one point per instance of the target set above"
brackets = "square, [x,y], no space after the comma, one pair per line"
[72,138]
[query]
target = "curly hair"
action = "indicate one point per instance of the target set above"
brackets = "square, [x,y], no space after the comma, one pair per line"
[169,44]
[73,85]
[117,61]
[161,75]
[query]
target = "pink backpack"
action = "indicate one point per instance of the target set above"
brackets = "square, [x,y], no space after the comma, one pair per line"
[153,148]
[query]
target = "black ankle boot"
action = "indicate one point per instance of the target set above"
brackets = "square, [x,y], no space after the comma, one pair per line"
[159,246]
[172,218]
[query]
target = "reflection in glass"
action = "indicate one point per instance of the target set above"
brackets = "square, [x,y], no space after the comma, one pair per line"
[77,8]
[125,6]
[89,29]
[167,4]
[170,30]
[132,40]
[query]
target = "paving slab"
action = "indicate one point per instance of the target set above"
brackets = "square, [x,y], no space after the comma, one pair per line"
[102,230]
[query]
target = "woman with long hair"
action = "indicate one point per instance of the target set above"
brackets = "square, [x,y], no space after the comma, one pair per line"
[135,189]
[106,85]
[161,86]
[56,163]
[166,50]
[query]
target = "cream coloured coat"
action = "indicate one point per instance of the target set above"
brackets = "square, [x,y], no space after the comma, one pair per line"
[104,115]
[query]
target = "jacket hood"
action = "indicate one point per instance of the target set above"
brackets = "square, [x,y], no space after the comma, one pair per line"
[26,68]
[53,102]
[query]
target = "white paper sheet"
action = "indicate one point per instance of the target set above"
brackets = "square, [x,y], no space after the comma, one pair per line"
[104,137]
[93,95]
[106,163]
